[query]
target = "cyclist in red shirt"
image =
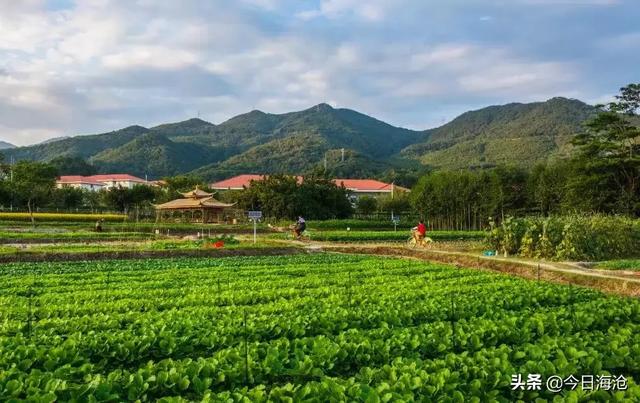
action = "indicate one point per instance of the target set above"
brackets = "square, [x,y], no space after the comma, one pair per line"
[420,233]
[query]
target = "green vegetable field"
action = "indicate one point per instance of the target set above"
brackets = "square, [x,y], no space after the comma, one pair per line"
[622,264]
[317,327]
[9,237]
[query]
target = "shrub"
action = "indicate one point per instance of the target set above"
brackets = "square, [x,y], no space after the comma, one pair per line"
[507,236]
[577,237]
[531,238]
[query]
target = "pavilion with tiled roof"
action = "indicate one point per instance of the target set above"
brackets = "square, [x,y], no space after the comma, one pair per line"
[196,205]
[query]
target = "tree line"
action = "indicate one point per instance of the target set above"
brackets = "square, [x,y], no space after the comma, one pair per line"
[31,186]
[601,176]
[284,197]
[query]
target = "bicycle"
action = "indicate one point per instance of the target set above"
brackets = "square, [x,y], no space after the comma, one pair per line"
[303,237]
[412,243]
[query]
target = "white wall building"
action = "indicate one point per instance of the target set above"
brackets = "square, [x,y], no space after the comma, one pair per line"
[99,182]
[78,182]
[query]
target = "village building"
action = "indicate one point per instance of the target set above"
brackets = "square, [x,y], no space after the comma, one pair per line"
[78,182]
[99,182]
[370,187]
[240,182]
[195,206]
[356,187]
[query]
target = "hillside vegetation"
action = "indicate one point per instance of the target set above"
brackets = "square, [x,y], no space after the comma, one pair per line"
[521,134]
[298,142]
[5,145]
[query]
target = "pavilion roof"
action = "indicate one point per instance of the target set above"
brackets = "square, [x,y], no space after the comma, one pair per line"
[196,194]
[193,203]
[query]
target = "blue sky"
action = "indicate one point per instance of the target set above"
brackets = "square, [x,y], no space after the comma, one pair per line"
[78,67]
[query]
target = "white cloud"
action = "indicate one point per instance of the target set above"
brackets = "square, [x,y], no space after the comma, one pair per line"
[513,76]
[372,10]
[158,57]
[102,65]
[28,136]
[439,55]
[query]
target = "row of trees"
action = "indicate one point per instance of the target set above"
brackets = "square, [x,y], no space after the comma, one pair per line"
[603,176]
[282,196]
[30,186]
[368,205]
[467,199]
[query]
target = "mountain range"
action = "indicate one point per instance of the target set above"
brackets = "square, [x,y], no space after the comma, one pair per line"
[4,145]
[347,142]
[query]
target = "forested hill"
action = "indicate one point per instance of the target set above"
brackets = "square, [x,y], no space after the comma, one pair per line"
[521,134]
[4,145]
[297,142]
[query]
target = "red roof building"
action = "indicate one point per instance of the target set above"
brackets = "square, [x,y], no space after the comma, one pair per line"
[364,185]
[358,187]
[78,182]
[116,178]
[236,183]
[241,182]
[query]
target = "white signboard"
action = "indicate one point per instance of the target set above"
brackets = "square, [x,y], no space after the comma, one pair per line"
[254,215]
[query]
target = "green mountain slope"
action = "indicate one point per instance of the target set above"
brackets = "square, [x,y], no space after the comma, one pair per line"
[154,155]
[79,146]
[291,155]
[521,134]
[338,127]
[4,145]
[297,142]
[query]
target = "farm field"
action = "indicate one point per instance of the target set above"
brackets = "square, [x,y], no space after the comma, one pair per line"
[80,223]
[70,236]
[130,246]
[59,217]
[354,224]
[325,327]
[126,226]
[621,264]
[394,236]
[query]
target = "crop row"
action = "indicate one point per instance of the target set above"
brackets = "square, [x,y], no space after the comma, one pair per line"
[323,326]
